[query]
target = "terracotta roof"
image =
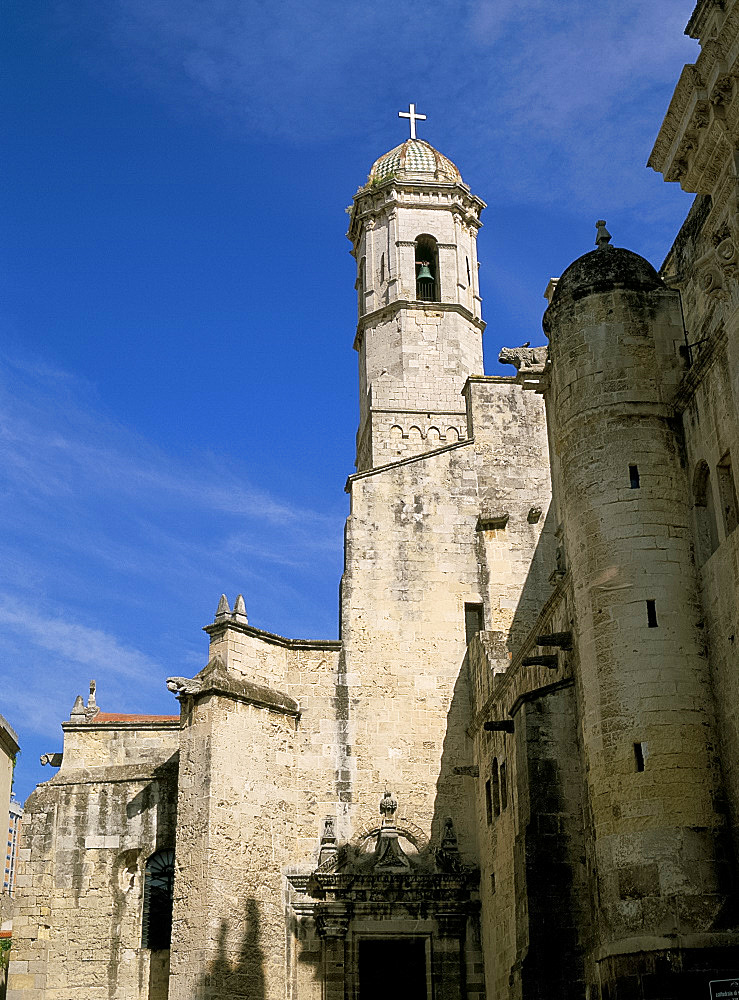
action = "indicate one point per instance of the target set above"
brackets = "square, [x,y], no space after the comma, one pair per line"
[6,934]
[119,717]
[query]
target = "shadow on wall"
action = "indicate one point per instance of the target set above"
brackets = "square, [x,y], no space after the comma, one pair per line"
[244,979]
[548,558]
[455,788]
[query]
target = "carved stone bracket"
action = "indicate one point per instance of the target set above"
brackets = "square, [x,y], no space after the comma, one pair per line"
[332,920]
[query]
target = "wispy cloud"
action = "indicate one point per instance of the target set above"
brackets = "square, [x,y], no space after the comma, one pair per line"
[113,553]
[496,75]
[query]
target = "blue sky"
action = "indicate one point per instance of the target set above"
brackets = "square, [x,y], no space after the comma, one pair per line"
[177,383]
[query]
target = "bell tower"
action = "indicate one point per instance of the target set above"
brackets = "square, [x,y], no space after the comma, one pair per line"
[419,333]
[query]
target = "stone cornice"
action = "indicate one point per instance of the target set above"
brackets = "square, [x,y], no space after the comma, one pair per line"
[701,128]
[8,738]
[107,727]
[216,628]
[216,678]
[404,461]
[117,773]
[416,305]
[373,201]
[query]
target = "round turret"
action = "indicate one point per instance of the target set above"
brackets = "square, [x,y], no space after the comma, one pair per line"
[604,270]
[624,505]
[414,159]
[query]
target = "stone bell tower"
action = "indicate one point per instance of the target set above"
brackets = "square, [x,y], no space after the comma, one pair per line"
[419,334]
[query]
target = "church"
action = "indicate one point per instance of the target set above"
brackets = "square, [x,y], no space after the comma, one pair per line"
[515,775]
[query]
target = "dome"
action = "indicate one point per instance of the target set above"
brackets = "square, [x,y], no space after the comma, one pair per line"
[604,269]
[414,159]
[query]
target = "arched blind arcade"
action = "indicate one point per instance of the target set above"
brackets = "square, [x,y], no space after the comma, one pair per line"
[158,895]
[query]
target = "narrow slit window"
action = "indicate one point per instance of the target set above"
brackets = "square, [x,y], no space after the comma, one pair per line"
[639,756]
[496,787]
[488,802]
[361,285]
[652,614]
[469,276]
[634,476]
[473,621]
[503,785]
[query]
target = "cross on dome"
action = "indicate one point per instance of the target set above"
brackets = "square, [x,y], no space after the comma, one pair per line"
[411,113]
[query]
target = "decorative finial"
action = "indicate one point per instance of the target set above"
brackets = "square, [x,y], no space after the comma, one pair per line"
[603,237]
[411,113]
[223,610]
[388,808]
[328,848]
[239,612]
[91,703]
[449,837]
[78,709]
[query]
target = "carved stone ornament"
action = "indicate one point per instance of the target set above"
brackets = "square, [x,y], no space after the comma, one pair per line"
[526,360]
[727,254]
[701,115]
[388,808]
[723,91]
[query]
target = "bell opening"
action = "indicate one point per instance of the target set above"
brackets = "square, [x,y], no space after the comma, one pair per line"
[427,269]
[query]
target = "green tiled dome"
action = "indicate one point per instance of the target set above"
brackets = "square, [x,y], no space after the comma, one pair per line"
[414,158]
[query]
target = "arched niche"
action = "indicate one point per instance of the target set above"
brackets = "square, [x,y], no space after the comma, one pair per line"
[706,535]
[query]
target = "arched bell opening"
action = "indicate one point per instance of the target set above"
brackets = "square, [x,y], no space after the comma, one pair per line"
[427,269]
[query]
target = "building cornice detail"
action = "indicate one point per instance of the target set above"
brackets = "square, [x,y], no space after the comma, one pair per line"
[216,629]
[414,305]
[371,203]
[701,128]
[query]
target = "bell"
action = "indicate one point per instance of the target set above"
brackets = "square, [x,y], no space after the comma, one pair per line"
[424,274]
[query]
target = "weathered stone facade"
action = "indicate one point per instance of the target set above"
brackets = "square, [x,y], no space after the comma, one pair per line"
[535,672]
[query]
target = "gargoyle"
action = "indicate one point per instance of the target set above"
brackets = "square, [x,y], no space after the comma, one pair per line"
[527,360]
[183,685]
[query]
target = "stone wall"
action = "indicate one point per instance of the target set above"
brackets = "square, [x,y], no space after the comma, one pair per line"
[85,840]
[416,554]
[256,784]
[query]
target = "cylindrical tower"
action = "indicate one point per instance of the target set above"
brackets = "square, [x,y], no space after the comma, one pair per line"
[655,799]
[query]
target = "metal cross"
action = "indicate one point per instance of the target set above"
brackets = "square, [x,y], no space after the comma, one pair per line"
[411,113]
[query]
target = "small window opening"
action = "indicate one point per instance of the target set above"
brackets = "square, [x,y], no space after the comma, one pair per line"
[382,267]
[634,476]
[488,802]
[639,755]
[427,269]
[473,621]
[496,788]
[469,276]
[156,929]
[492,883]
[652,614]
[361,285]
[503,786]
[727,492]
